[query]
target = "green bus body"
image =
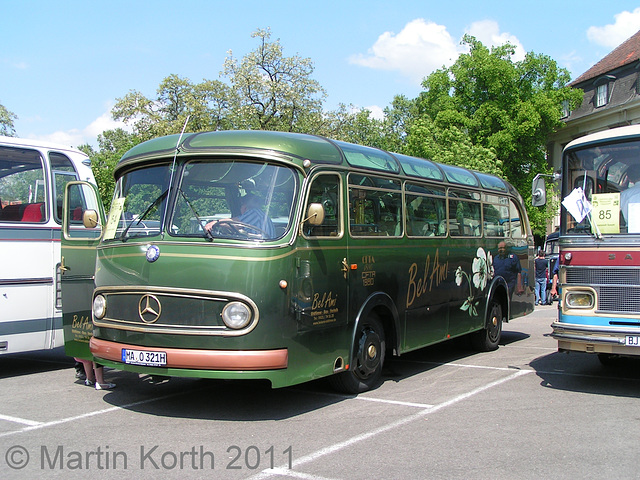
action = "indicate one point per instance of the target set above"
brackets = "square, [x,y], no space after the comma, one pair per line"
[403,258]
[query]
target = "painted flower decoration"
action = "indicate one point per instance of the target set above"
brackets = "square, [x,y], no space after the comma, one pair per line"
[459,276]
[482,271]
[482,268]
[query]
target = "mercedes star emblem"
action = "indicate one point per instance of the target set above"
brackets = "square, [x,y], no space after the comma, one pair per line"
[149,308]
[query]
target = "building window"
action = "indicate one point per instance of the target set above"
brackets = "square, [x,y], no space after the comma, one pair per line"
[601,95]
[565,109]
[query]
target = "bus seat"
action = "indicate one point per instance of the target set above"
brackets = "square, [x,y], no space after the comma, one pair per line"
[454,227]
[33,212]
[12,212]
[77,213]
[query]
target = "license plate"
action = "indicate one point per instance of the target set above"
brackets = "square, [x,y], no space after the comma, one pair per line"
[632,341]
[144,357]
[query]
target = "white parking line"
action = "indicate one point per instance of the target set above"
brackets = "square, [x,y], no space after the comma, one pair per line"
[291,474]
[394,402]
[39,425]
[280,471]
[464,365]
[19,420]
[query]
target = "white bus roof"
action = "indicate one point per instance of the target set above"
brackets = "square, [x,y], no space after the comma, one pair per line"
[610,134]
[27,142]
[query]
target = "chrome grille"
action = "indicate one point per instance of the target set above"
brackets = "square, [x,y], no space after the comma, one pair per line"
[619,299]
[603,276]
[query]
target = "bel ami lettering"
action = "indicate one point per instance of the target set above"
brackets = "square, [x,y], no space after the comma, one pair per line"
[433,274]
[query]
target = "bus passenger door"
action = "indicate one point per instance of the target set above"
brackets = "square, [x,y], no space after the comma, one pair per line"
[321,300]
[78,263]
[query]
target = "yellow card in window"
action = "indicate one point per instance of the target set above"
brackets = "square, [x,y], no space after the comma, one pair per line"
[605,212]
[114,217]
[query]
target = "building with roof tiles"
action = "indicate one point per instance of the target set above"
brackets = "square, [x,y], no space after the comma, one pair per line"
[611,98]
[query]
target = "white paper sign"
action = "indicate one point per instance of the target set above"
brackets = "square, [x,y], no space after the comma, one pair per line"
[577,204]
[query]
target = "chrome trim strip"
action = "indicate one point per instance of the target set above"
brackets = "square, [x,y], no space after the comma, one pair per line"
[27,281]
[587,338]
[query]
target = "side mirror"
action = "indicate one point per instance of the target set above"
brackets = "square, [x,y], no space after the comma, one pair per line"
[539,191]
[315,214]
[90,219]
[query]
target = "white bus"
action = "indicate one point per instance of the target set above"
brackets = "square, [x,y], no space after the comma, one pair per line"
[32,179]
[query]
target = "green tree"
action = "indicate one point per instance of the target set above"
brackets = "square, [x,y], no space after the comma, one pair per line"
[206,104]
[112,145]
[265,91]
[6,122]
[487,111]
[272,92]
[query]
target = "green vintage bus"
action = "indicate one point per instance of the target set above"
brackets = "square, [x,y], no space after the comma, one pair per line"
[289,257]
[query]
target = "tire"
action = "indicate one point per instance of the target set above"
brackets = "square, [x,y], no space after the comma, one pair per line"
[488,338]
[365,369]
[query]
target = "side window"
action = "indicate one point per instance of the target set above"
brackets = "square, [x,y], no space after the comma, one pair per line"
[496,216]
[63,173]
[22,186]
[426,211]
[375,206]
[325,190]
[517,228]
[464,214]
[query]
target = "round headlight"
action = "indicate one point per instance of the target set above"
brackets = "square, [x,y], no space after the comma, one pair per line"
[99,306]
[236,315]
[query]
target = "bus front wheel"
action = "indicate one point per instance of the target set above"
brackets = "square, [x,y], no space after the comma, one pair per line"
[488,338]
[365,370]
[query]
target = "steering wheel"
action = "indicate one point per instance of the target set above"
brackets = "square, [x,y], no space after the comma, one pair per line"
[229,226]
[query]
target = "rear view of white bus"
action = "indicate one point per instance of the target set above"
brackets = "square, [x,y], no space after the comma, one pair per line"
[32,179]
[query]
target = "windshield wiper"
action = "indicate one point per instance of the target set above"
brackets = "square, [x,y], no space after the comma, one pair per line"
[142,217]
[207,234]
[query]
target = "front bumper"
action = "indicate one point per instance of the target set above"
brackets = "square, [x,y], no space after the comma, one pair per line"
[195,359]
[594,339]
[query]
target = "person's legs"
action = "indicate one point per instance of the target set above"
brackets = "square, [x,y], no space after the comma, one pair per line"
[88,371]
[100,383]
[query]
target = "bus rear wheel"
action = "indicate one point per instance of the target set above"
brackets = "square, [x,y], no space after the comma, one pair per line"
[488,338]
[365,369]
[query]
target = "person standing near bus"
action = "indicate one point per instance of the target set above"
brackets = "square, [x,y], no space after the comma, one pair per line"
[508,267]
[542,267]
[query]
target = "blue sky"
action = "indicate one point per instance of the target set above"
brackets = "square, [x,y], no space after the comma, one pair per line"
[63,63]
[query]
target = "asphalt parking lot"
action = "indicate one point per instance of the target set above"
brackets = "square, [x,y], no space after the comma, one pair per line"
[523,411]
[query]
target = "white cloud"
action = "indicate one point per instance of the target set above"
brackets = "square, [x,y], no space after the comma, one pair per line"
[419,49]
[626,24]
[488,32]
[70,138]
[424,46]
[102,123]
[377,112]
[89,134]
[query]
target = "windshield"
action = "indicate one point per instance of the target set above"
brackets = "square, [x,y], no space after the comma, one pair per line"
[139,203]
[609,176]
[238,200]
